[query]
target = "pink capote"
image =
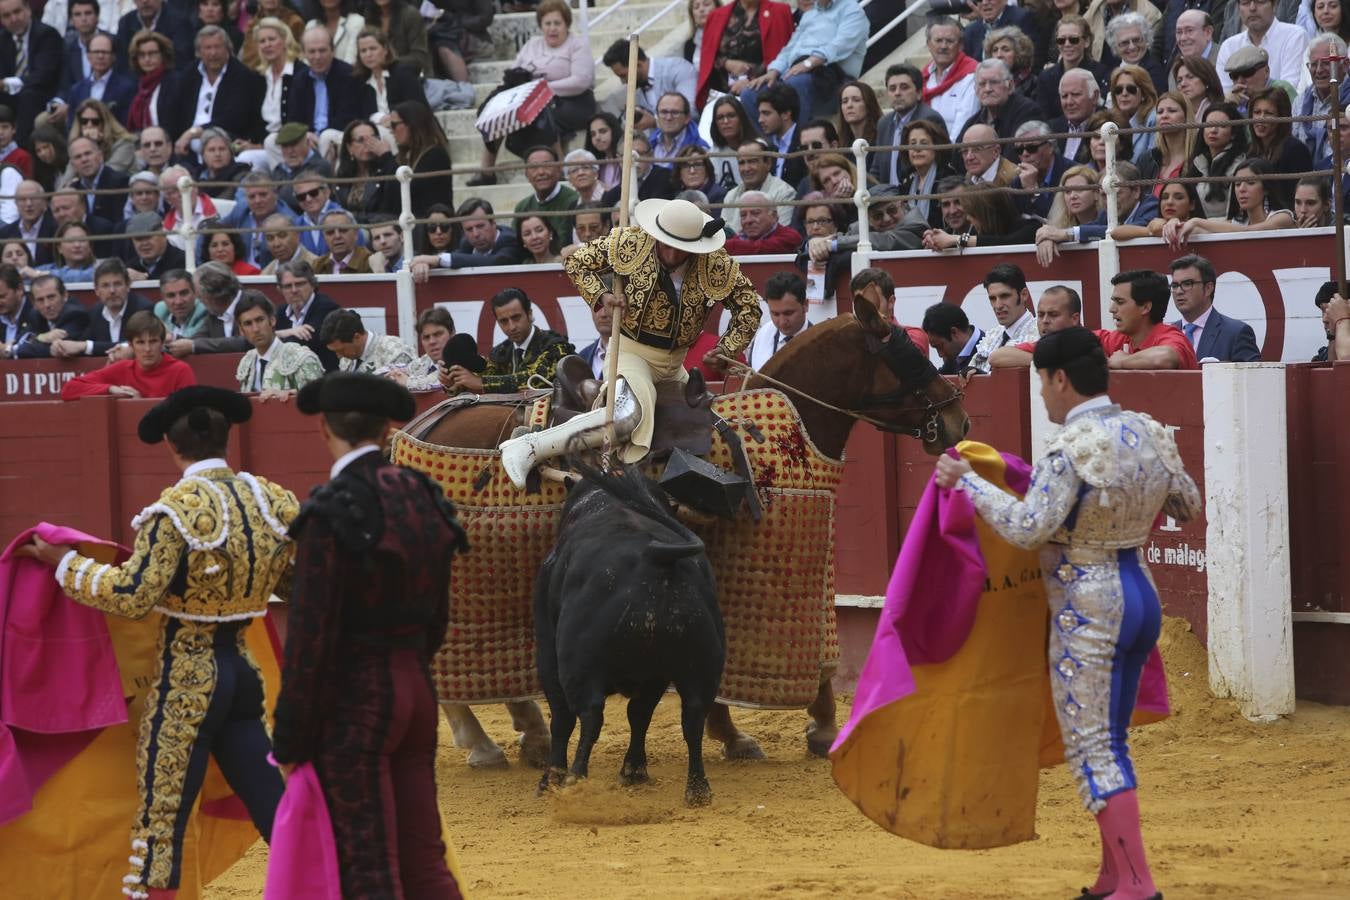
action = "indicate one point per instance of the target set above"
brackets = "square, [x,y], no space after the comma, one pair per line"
[59,682]
[921,626]
[302,862]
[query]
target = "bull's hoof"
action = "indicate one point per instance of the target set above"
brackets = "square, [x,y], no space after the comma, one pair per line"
[698,792]
[820,739]
[489,757]
[572,778]
[632,776]
[742,747]
[535,749]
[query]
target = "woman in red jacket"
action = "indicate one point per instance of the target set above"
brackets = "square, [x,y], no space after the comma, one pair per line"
[738,40]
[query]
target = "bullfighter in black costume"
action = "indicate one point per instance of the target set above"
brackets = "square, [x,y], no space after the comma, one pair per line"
[369,607]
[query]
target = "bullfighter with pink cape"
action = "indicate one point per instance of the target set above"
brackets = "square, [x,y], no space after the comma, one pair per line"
[947,752]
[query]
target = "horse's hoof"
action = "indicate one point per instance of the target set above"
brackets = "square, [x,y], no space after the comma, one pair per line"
[551,780]
[535,750]
[820,740]
[742,747]
[631,777]
[487,758]
[698,793]
[570,779]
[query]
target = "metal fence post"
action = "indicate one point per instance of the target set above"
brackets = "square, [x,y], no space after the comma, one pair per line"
[862,257]
[1108,252]
[405,293]
[187,205]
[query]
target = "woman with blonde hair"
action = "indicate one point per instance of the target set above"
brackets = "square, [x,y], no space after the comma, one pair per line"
[1133,96]
[1172,148]
[93,120]
[1079,202]
[278,51]
[278,11]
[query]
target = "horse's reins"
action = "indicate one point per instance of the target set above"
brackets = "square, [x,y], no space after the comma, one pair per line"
[932,409]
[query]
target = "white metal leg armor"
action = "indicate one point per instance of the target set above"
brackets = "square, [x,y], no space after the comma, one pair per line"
[586,431]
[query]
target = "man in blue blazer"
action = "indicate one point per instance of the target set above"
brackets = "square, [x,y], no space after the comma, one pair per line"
[594,352]
[118,89]
[1211,333]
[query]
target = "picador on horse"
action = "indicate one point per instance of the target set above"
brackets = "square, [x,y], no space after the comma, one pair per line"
[779,442]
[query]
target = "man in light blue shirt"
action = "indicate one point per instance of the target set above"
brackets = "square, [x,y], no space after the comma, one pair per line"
[826,50]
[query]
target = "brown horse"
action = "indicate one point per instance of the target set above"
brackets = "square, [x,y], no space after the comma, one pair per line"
[851,368]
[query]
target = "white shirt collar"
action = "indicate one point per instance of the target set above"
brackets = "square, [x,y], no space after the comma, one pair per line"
[1200,320]
[529,337]
[202,465]
[991,173]
[117,316]
[557,189]
[1087,406]
[350,457]
[272,350]
[298,315]
[369,349]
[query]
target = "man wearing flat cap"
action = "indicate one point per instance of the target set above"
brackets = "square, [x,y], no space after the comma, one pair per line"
[369,608]
[675,271]
[208,555]
[1249,72]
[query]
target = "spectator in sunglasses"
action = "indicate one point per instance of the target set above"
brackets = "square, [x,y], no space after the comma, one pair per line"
[485,243]
[1039,165]
[1073,43]
[1133,97]
[316,202]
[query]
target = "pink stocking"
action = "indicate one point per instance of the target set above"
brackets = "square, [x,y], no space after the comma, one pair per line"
[162,893]
[1106,873]
[1119,824]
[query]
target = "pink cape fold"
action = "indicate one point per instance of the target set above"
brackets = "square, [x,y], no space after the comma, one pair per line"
[59,682]
[932,598]
[302,862]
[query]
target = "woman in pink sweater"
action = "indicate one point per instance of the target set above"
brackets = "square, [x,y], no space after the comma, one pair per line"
[563,60]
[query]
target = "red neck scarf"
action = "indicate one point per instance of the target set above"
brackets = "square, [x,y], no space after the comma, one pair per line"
[139,115]
[961,67]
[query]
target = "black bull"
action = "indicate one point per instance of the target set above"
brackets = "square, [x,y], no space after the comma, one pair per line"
[626,603]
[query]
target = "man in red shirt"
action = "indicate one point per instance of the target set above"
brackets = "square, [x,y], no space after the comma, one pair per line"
[760,232]
[1141,339]
[149,373]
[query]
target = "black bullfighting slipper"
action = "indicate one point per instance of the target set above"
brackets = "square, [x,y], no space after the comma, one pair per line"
[1085,894]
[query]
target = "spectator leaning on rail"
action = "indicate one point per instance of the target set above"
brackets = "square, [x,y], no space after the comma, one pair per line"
[58,317]
[1058,308]
[272,367]
[149,373]
[1133,207]
[1213,335]
[485,243]
[826,50]
[1011,302]
[180,311]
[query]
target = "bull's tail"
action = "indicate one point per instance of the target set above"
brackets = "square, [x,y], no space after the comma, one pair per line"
[665,553]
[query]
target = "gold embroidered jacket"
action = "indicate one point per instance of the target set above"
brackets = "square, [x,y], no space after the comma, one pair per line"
[213,547]
[652,316]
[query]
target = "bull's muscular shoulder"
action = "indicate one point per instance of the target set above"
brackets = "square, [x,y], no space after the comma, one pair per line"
[350,507]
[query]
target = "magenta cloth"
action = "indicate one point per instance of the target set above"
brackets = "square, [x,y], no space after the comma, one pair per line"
[923,625]
[59,682]
[302,862]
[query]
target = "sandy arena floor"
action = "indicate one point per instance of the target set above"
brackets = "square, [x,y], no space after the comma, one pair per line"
[1231,809]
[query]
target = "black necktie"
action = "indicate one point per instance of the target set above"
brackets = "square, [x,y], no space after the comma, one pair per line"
[519,356]
[262,370]
[1003,340]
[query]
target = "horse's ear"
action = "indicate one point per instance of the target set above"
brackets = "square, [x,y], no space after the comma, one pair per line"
[869,317]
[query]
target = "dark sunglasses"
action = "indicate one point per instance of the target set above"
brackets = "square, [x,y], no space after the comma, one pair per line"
[438,227]
[814,145]
[1030,148]
[94,121]
[334,230]
[309,195]
[1070,39]
[1119,89]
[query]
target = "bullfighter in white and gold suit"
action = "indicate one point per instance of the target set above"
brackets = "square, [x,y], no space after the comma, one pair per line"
[208,555]
[676,271]
[1090,508]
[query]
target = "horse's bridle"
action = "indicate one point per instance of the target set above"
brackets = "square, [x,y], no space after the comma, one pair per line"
[915,373]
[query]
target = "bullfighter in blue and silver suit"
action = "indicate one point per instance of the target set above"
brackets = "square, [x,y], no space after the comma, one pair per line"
[1091,505]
